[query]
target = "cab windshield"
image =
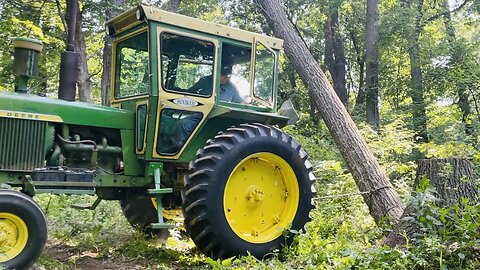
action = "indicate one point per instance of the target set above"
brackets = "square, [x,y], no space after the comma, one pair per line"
[187,64]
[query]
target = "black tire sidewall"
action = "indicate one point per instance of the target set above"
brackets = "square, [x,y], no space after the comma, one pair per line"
[141,209]
[25,208]
[225,167]
[144,208]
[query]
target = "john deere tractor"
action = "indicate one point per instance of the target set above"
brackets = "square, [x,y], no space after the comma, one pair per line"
[171,139]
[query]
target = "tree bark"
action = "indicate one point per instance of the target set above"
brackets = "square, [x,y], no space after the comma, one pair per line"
[379,195]
[105,82]
[173,5]
[453,180]
[417,92]
[359,107]
[371,47]
[457,55]
[84,81]
[335,56]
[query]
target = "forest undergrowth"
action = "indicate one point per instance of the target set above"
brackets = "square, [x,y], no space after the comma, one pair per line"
[341,235]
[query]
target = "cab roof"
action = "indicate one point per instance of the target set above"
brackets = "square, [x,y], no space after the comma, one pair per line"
[137,15]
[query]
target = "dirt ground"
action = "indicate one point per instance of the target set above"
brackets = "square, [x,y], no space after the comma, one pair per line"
[87,260]
[58,256]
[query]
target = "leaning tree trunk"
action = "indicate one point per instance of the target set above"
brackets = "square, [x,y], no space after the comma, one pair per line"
[379,195]
[453,180]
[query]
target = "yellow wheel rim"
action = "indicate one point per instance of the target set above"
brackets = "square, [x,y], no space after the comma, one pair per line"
[261,197]
[13,236]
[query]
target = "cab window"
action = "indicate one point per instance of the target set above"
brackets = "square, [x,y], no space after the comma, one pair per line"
[264,73]
[132,73]
[187,64]
[237,76]
[176,127]
[235,73]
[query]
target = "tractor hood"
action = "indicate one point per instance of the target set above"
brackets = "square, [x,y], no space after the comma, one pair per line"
[76,113]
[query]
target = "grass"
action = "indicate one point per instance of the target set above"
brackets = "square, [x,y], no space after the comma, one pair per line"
[104,235]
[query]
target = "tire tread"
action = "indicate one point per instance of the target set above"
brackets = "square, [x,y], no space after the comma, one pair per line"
[198,182]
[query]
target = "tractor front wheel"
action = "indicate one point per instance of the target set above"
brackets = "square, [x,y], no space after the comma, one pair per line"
[246,188]
[23,230]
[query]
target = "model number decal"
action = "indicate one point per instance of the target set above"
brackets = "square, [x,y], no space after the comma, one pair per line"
[185,102]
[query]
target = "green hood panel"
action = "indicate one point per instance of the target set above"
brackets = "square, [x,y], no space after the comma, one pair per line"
[76,113]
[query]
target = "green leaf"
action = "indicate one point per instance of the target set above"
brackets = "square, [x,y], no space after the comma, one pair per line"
[434,220]
[228,261]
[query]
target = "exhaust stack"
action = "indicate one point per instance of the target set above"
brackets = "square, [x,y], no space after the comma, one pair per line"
[25,61]
[69,61]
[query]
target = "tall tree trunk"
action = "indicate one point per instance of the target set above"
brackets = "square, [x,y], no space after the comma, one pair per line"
[173,5]
[359,108]
[379,195]
[456,54]
[453,180]
[105,82]
[417,92]
[84,82]
[335,56]
[371,48]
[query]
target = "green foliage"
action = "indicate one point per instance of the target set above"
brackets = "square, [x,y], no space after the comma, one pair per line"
[315,139]
[343,236]
[448,238]
[134,72]
[35,23]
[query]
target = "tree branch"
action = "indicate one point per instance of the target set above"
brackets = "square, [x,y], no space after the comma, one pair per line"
[434,17]
[60,14]
[95,74]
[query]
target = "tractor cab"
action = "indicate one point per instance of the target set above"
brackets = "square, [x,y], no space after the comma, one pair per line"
[178,72]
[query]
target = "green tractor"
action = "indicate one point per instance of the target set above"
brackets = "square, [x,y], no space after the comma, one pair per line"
[190,126]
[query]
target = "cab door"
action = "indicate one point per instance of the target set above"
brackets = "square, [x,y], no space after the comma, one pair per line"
[187,78]
[132,80]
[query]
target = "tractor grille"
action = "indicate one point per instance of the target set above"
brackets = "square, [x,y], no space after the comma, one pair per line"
[22,144]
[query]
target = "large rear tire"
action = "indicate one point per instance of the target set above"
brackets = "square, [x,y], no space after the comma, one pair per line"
[140,212]
[23,230]
[246,188]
